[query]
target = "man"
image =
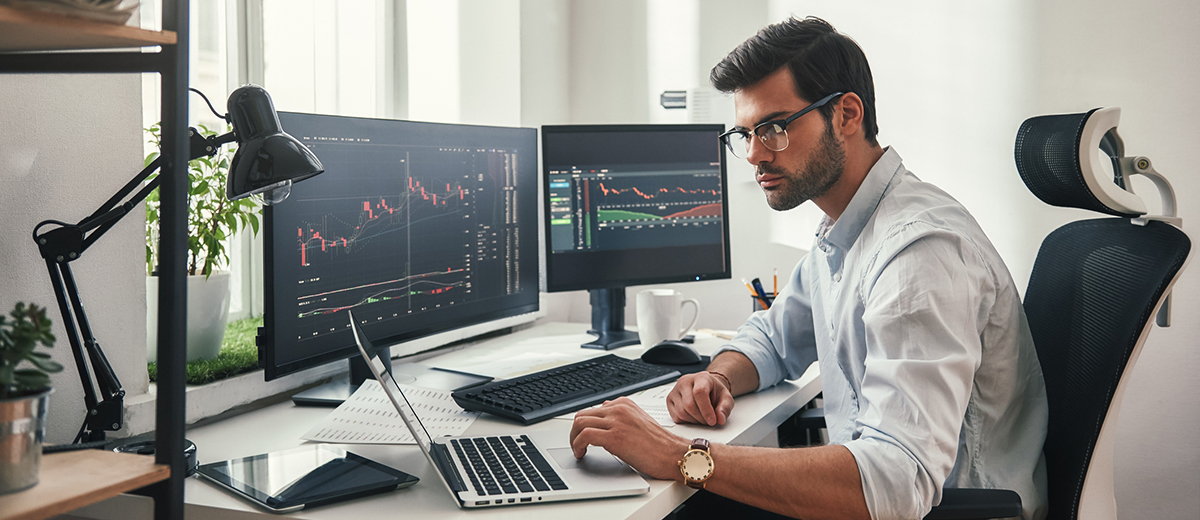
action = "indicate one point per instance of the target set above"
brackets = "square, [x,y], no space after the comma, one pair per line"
[928,370]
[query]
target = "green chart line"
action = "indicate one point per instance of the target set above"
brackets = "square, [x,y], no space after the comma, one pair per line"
[609,215]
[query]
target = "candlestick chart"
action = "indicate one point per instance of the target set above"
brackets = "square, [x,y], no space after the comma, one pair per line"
[409,233]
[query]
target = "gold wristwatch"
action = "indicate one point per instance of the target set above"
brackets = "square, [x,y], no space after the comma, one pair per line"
[697,464]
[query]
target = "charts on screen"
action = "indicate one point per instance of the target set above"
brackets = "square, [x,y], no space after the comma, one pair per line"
[412,231]
[604,209]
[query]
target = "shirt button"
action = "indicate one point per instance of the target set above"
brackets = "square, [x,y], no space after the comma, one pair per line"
[837,277]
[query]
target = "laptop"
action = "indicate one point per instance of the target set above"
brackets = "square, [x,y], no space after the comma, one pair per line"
[503,470]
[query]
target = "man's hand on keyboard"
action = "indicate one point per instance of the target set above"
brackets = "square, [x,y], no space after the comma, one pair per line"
[701,398]
[628,432]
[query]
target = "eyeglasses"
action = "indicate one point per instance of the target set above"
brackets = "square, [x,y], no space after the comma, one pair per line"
[772,133]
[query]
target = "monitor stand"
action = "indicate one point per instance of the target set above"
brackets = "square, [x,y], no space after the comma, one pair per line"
[337,391]
[608,320]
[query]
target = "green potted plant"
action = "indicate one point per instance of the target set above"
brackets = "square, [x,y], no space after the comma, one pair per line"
[24,394]
[211,221]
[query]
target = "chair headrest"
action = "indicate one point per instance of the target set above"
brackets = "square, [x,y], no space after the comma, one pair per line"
[1057,157]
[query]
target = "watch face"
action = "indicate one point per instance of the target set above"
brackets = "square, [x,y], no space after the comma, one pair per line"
[697,465]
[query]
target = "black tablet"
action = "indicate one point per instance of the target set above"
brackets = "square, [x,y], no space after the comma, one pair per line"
[311,475]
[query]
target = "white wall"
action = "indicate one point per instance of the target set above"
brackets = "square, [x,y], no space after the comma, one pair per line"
[607,77]
[545,59]
[67,143]
[465,61]
[491,69]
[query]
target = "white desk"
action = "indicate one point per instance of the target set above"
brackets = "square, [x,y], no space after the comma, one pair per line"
[278,427]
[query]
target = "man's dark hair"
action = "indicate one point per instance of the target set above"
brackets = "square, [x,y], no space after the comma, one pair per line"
[822,61]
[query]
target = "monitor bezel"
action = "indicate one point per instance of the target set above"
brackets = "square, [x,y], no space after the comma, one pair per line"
[559,286]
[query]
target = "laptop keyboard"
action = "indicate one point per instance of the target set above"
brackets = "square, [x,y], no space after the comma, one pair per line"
[505,465]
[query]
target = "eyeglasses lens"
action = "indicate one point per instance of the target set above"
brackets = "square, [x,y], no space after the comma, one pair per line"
[738,144]
[774,137]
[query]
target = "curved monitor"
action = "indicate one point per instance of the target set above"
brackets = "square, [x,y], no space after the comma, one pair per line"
[418,227]
[632,205]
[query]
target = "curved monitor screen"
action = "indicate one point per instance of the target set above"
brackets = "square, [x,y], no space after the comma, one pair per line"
[418,227]
[633,205]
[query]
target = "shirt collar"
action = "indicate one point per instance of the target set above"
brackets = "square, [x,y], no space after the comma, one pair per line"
[845,231]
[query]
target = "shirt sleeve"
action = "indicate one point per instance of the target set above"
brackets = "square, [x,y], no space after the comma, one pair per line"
[779,341]
[923,316]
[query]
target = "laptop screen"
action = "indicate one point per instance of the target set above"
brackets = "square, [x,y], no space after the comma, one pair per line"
[392,389]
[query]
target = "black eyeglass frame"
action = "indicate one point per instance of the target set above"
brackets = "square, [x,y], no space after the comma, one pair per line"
[782,123]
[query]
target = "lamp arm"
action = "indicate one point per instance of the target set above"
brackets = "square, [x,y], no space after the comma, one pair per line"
[103,393]
[200,147]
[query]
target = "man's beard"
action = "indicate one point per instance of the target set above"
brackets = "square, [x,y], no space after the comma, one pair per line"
[821,172]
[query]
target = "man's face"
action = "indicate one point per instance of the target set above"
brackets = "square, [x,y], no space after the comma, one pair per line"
[814,158]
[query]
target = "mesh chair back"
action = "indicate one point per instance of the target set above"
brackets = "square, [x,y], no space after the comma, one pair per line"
[1093,290]
[1047,154]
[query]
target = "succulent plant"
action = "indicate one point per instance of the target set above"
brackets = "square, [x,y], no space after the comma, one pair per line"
[21,332]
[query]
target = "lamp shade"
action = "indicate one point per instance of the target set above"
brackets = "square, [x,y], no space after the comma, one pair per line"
[267,159]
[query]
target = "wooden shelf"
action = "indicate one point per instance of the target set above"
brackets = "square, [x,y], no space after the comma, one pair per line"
[71,480]
[24,30]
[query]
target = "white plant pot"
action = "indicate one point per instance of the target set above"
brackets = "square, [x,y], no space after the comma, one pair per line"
[207,315]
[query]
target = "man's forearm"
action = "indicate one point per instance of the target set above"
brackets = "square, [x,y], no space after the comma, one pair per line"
[739,369]
[810,483]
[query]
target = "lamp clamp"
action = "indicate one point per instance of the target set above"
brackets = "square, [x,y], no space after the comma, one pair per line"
[201,146]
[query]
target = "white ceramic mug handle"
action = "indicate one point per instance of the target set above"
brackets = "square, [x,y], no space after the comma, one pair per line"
[695,317]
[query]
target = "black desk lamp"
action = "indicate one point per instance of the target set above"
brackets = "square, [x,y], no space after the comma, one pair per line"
[266,163]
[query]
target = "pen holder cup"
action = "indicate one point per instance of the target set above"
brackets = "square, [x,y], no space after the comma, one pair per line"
[758,303]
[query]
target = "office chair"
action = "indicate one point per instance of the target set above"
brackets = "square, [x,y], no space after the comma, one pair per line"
[1094,286]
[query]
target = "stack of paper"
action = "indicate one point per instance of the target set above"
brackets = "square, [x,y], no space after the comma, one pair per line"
[652,400]
[368,417]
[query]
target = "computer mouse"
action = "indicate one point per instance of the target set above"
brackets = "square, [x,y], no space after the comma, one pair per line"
[671,353]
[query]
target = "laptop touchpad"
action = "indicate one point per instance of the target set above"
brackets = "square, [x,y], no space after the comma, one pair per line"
[596,462]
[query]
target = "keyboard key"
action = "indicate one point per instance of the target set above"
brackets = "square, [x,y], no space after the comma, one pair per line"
[573,395]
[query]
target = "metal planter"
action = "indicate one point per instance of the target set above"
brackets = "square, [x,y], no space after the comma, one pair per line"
[22,427]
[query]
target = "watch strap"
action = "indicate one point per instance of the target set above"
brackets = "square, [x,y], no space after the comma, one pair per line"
[697,444]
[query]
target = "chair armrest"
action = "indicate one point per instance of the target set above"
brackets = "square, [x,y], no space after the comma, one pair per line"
[811,418]
[973,504]
[957,503]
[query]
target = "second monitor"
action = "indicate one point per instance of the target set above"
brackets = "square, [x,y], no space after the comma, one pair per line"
[632,205]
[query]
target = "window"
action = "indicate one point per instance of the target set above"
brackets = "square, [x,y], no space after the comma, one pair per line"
[324,56]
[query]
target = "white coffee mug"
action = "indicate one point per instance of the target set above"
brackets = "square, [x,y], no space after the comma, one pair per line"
[659,316]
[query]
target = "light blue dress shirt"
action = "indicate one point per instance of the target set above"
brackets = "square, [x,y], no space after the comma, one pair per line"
[928,369]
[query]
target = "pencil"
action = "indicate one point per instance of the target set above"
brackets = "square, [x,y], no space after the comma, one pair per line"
[775,281]
[754,294]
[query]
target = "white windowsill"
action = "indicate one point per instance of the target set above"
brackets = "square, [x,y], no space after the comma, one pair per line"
[204,401]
